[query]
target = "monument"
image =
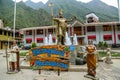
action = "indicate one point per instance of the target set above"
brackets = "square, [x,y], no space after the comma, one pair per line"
[51,56]
[108,57]
[61,29]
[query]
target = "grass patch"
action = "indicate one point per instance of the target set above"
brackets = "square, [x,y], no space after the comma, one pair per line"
[115,54]
[104,54]
[23,53]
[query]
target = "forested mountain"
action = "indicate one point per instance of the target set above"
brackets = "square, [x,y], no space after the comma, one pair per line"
[103,11]
[25,16]
[80,10]
[34,5]
[31,14]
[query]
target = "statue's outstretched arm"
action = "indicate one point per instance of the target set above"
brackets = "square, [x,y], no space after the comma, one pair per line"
[56,19]
[74,18]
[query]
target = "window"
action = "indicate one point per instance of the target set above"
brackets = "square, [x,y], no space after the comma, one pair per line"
[77,30]
[119,36]
[91,29]
[50,31]
[9,33]
[107,28]
[5,32]
[16,34]
[28,40]
[0,32]
[29,32]
[118,28]
[90,19]
[12,34]
[39,40]
[40,31]
[107,37]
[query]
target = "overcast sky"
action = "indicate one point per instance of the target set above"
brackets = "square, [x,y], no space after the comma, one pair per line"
[109,2]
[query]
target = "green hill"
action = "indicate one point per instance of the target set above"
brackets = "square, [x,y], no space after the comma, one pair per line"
[25,16]
[80,10]
[34,5]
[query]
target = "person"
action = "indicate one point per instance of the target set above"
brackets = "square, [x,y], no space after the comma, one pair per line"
[91,59]
[13,57]
[61,27]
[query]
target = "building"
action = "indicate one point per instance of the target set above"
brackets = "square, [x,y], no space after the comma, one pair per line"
[104,31]
[99,31]
[6,37]
[91,18]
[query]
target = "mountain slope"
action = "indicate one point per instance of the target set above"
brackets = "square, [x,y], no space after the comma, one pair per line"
[104,11]
[25,16]
[80,10]
[34,5]
[29,17]
[70,8]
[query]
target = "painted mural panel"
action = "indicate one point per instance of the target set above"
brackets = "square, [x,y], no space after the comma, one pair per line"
[50,57]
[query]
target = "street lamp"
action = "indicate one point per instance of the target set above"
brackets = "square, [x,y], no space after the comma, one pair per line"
[8,36]
[14,23]
[6,55]
[51,6]
[119,9]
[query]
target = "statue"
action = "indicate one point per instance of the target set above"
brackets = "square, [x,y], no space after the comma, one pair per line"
[61,27]
[108,58]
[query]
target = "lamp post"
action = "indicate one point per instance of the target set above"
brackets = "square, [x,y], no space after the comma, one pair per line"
[8,37]
[6,56]
[51,6]
[119,9]
[14,23]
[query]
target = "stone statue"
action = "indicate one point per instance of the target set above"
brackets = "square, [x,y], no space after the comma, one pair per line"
[108,58]
[61,27]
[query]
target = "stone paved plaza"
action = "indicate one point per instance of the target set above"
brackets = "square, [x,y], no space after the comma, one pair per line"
[104,72]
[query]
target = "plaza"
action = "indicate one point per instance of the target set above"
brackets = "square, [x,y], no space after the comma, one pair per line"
[59,48]
[77,72]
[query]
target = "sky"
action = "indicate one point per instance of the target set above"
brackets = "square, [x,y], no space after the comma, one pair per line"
[109,2]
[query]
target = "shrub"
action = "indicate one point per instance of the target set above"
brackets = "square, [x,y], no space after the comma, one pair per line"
[33,45]
[102,45]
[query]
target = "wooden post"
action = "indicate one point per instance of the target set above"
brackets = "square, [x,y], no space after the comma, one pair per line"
[18,60]
[39,71]
[59,72]
[13,65]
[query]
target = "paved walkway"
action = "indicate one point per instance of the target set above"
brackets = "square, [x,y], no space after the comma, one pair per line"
[104,72]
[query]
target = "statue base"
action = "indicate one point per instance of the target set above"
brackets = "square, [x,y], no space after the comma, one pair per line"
[91,77]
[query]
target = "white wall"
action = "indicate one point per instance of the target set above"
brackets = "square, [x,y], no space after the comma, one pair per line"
[117,39]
